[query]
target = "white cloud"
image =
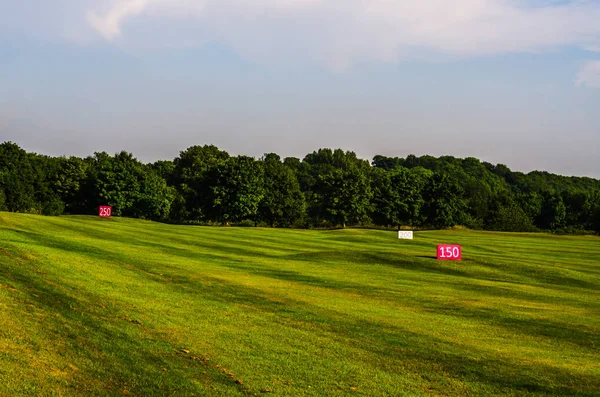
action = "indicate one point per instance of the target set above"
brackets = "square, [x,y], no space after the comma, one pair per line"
[589,75]
[337,33]
[342,32]
[110,24]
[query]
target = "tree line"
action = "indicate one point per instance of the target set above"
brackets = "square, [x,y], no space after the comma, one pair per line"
[327,188]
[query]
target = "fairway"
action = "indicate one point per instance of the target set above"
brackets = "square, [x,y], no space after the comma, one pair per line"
[92,306]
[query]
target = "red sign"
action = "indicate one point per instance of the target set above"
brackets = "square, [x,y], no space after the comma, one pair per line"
[449,252]
[105,211]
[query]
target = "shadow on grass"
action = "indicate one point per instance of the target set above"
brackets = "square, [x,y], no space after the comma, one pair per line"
[242,259]
[123,358]
[244,249]
[385,258]
[423,355]
[537,327]
[229,242]
[459,281]
[112,354]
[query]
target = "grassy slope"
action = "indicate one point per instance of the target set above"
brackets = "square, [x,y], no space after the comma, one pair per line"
[94,307]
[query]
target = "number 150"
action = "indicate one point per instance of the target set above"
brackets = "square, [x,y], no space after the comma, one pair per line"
[449,252]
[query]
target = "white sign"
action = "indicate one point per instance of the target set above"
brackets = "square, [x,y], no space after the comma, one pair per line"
[407,235]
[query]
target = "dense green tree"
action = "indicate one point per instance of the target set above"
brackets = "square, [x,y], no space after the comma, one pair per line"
[593,222]
[18,179]
[116,182]
[387,163]
[398,195]
[531,203]
[344,197]
[338,187]
[477,196]
[155,197]
[504,172]
[130,187]
[444,206]
[328,187]
[481,189]
[2,200]
[47,201]
[283,203]
[553,214]
[510,217]
[67,180]
[237,188]
[165,169]
[578,207]
[191,177]
[293,163]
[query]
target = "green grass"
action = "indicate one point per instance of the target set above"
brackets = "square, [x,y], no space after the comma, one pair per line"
[92,306]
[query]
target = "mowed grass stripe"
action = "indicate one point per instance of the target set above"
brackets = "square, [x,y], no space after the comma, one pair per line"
[297,312]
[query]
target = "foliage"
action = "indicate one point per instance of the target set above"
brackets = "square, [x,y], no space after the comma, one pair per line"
[2,201]
[511,218]
[18,179]
[236,190]
[337,186]
[326,188]
[398,195]
[444,204]
[191,177]
[283,203]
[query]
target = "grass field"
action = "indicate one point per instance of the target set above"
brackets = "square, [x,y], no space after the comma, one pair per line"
[93,306]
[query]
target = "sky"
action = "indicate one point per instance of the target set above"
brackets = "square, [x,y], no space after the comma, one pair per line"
[506,81]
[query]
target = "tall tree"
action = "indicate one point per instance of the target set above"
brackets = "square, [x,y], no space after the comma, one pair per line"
[204,184]
[2,200]
[44,168]
[578,206]
[553,214]
[283,202]
[236,190]
[444,205]
[132,188]
[594,221]
[398,195]
[165,169]
[68,181]
[17,179]
[155,197]
[116,182]
[508,216]
[193,169]
[338,187]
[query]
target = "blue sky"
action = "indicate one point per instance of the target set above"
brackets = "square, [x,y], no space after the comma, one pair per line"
[512,82]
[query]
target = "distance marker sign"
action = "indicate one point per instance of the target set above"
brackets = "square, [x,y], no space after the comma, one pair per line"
[449,252]
[105,211]
[405,234]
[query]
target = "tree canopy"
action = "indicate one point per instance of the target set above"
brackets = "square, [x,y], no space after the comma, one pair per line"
[326,188]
